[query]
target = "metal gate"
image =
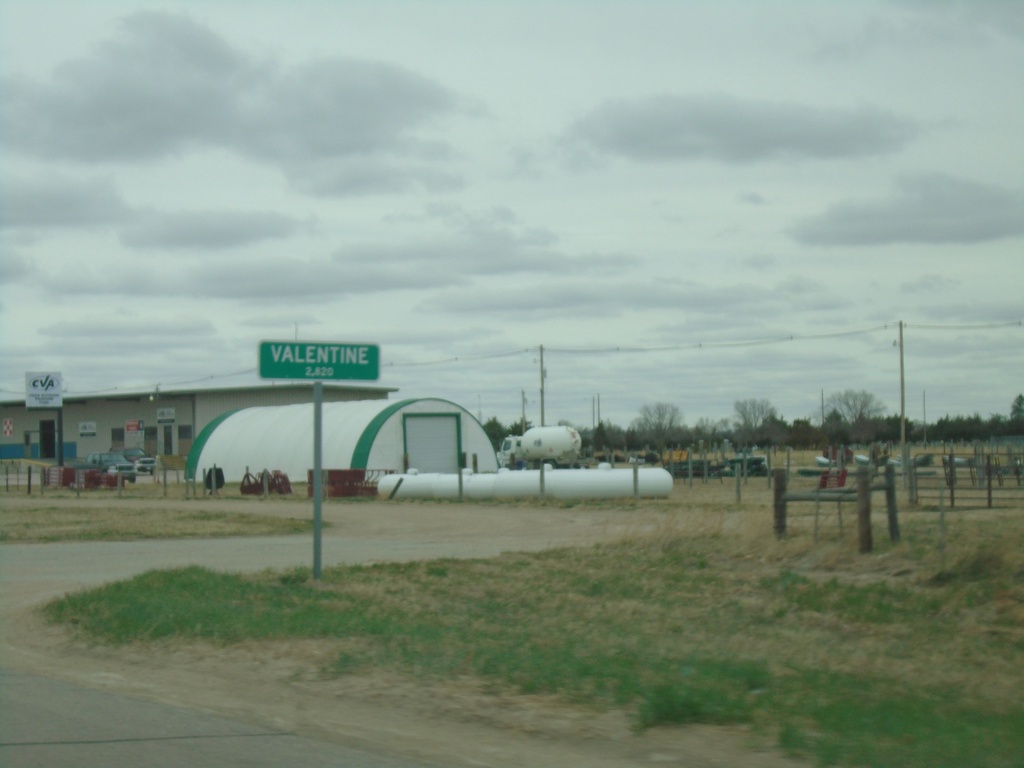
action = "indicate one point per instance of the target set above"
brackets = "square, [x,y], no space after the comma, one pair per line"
[433,441]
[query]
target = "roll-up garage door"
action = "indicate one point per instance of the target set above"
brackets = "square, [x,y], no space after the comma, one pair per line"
[433,442]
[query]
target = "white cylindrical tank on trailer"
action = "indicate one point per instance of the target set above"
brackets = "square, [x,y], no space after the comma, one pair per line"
[559,444]
[601,483]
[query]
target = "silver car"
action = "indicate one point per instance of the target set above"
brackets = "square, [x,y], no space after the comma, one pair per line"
[146,465]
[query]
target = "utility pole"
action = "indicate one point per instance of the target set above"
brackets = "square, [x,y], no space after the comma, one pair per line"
[522,431]
[543,374]
[903,413]
[924,414]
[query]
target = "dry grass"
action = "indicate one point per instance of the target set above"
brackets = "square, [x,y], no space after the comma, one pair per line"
[689,613]
[691,588]
[53,521]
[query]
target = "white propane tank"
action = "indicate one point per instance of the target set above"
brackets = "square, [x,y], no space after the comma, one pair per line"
[602,483]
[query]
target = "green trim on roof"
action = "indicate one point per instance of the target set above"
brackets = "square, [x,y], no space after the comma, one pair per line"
[361,454]
[191,464]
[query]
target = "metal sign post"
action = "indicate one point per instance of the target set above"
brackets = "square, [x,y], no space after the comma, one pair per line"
[314,362]
[318,444]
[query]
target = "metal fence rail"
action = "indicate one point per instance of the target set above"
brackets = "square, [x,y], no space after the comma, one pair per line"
[978,481]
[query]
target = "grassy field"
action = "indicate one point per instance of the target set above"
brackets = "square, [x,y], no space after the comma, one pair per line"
[910,656]
[51,521]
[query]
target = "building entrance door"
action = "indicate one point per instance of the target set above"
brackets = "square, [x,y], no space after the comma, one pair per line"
[48,439]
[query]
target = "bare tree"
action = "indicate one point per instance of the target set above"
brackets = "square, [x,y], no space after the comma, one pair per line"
[711,431]
[658,423]
[751,417]
[855,406]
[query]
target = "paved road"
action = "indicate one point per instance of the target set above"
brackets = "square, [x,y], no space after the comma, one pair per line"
[70,565]
[45,722]
[56,724]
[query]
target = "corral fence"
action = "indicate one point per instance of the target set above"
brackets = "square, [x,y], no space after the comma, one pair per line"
[38,479]
[64,477]
[983,480]
[829,492]
[18,475]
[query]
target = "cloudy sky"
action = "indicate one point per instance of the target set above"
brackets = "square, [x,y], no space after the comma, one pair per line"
[683,202]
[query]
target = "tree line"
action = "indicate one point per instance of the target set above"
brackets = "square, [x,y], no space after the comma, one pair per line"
[850,417]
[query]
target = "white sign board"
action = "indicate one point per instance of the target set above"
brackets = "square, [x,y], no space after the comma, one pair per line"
[165,415]
[44,390]
[87,429]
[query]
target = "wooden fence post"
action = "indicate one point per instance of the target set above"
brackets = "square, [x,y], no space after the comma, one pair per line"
[864,509]
[779,495]
[952,480]
[988,478]
[890,502]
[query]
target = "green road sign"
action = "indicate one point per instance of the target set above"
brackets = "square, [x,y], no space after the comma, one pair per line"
[318,361]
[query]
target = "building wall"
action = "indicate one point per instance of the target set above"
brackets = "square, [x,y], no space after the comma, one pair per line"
[161,423]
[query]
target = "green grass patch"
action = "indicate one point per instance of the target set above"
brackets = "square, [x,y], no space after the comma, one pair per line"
[864,671]
[854,720]
[873,603]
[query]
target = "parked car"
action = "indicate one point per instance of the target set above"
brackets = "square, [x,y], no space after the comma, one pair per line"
[124,468]
[145,465]
[102,461]
[133,454]
[109,462]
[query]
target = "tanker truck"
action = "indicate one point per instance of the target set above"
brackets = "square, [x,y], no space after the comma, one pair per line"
[558,446]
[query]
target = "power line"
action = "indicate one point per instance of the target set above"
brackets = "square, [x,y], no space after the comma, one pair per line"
[662,348]
[983,326]
[718,344]
[690,346]
[459,358]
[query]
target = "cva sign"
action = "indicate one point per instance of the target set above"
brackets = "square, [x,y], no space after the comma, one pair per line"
[44,390]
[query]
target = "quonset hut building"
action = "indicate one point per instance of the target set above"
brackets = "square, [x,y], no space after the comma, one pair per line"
[425,434]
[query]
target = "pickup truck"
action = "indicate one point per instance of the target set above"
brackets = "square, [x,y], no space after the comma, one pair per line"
[110,462]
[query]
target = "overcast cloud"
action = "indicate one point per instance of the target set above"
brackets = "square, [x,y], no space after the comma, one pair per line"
[719,127]
[692,202]
[928,208]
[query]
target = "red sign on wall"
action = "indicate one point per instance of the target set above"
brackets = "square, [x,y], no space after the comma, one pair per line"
[133,425]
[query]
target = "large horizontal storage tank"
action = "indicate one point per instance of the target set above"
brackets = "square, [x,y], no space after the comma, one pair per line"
[427,434]
[601,483]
